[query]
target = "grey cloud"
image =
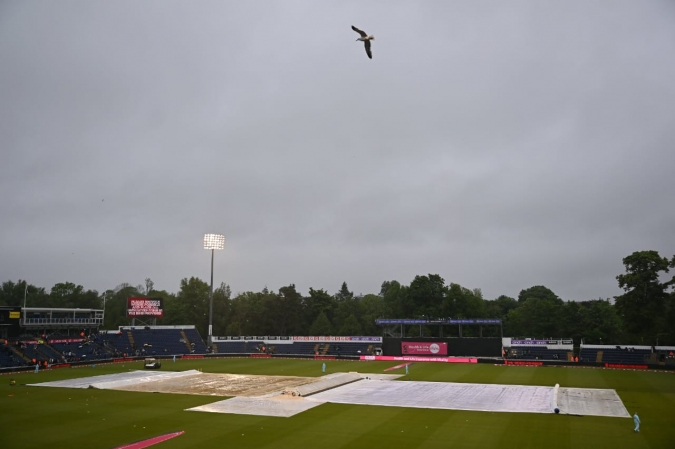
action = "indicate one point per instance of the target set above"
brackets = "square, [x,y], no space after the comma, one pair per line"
[501,146]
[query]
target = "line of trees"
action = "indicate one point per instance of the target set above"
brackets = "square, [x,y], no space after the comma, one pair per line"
[643,314]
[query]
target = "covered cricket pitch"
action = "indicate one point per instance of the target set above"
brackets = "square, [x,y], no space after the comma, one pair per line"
[286,396]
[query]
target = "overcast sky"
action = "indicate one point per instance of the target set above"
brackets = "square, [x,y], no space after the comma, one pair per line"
[499,144]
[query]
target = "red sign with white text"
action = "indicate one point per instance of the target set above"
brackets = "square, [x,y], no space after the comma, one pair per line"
[145,307]
[412,358]
[625,366]
[66,340]
[423,348]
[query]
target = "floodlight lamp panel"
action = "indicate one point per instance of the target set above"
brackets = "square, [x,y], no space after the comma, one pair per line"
[214,241]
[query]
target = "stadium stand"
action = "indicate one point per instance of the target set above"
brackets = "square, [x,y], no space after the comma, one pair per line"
[350,349]
[232,347]
[9,359]
[83,350]
[243,347]
[162,341]
[538,353]
[294,348]
[305,348]
[664,355]
[67,345]
[50,352]
[195,339]
[117,342]
[615,354]
[32,352]
[531,349]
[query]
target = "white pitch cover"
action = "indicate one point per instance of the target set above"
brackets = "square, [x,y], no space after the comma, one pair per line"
[479,397]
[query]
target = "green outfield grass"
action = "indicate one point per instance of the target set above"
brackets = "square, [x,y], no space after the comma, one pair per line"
[36,417]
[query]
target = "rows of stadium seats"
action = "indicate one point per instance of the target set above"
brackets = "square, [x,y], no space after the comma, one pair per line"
[51,352]
[240,347]
[295,348]
[41,352]
[350,349]
[231,347]
[254,346]
[88,350]
[613,355]
[153,342]
[539,353]
[118,343]
[160,341]
[168,341]
[61,352]
[299,347]
[9,359]
[196,339]
[32,352]
[102,340]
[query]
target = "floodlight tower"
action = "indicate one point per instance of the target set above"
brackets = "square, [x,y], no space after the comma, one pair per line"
[212,242]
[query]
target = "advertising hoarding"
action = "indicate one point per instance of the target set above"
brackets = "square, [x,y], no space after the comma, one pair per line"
[423,348]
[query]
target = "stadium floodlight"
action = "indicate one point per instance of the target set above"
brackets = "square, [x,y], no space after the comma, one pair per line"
[212,242]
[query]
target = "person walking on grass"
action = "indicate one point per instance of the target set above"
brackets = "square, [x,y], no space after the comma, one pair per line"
[323,368]
[636,420]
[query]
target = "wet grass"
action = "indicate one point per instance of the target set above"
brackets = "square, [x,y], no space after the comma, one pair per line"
[38,417]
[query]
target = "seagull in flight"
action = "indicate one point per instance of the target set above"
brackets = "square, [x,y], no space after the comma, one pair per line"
[365,39]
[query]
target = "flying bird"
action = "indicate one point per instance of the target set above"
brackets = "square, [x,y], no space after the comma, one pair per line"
[365,39]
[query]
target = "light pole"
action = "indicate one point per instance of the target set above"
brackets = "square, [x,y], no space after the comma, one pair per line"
[25,293]
[212,242]
[105,298]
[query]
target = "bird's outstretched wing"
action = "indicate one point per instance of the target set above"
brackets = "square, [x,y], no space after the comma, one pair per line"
[368,52]
[362,33]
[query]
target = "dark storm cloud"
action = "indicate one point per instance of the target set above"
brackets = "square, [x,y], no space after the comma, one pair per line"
[501,146]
